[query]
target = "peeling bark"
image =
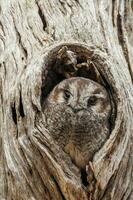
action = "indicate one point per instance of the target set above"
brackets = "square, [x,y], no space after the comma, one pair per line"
[32,32]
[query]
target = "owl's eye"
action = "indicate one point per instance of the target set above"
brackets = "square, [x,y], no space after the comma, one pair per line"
[92,101]
[67,94]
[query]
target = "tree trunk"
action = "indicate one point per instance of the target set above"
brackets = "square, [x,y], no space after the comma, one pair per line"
[32,166]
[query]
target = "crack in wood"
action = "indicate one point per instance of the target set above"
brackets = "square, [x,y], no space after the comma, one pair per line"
[20,40]
[84,178]
[119,28]
[14,114]
[21,109]
[113,6]
[42,17]
[61,193]
[123,44]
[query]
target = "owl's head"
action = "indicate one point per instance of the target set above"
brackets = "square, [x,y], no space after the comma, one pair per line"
[81,94]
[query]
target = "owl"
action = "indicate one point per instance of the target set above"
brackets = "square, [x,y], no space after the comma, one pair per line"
[77,113]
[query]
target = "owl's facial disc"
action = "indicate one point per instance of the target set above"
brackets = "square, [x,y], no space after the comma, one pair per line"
[80,94]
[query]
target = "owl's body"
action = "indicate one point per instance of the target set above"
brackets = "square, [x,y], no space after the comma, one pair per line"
[77,115]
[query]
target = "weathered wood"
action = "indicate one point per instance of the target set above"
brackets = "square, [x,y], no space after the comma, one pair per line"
[31,32]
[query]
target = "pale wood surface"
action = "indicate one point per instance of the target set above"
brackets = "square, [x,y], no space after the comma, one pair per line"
[32,167]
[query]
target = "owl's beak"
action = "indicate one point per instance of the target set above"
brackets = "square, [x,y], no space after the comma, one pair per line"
[76,109]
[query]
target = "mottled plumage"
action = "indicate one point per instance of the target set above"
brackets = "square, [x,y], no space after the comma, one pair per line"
[77,115]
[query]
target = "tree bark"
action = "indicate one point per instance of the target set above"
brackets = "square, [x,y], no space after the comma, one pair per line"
[32,32]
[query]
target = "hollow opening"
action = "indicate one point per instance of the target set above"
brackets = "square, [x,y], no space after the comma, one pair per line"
[75,61]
